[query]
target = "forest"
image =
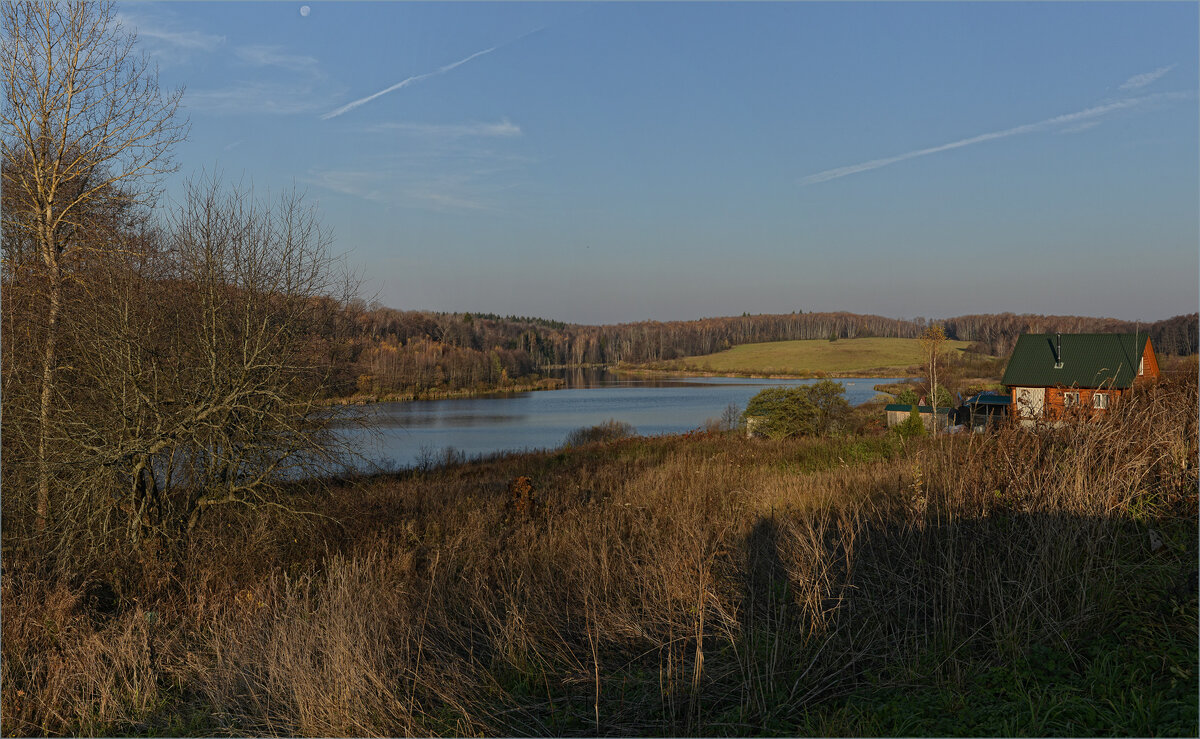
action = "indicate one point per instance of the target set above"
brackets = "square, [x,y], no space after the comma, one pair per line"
[390,350]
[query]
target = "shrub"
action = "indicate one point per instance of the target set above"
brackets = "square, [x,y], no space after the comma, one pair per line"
[808,410]
[731,418]
[911,426]
[610,430]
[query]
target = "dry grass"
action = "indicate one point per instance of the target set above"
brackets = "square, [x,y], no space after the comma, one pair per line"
[882,356]
[688,585]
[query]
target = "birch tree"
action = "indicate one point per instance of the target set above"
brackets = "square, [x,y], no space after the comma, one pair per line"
[84,122]
[931,345]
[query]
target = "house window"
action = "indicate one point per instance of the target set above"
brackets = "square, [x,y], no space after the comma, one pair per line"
[1141,366]
[1071,399]
[1100,400]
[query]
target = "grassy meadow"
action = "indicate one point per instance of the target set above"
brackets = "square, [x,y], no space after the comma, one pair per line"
[878,357]
[1010,584]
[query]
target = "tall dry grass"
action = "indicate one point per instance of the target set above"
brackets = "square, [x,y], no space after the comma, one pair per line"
[699,585]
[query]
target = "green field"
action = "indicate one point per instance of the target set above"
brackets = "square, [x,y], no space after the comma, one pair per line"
[817,356]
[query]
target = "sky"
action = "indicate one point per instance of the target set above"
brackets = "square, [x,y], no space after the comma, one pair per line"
[613,162]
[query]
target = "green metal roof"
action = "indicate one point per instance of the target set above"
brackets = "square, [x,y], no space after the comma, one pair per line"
[1088,360]
[920,409]
[989,400]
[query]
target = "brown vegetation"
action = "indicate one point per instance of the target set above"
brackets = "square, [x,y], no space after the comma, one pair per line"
[703,585]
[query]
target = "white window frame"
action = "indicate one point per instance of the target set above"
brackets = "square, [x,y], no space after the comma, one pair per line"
[1071,399]
[1100,401]
[1141,366]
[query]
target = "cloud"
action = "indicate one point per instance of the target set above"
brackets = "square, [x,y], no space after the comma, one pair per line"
[255,97]
[1078,118]
[501,129]
[165,38]
[395,185]
[357,183]
[404,83]
[1139,81]
[445,202]
[261,55]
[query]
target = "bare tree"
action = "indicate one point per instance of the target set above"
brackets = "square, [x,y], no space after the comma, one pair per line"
[84,121]
[931,345]
[206,374]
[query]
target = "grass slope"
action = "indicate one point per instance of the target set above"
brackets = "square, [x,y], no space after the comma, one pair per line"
[1021,583]
[817,356]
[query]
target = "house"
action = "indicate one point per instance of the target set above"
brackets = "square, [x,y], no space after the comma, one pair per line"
[1051,374]
[898,413]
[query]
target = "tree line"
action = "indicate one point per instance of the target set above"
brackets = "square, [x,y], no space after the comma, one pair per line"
[420,350]
[997,333]
[416,350]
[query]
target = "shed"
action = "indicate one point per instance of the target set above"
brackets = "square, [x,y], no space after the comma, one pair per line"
[985,409]
[898,413]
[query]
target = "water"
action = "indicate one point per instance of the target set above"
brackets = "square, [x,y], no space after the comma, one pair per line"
[418,432]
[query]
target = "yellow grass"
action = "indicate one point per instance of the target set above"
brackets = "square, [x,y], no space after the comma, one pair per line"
[702,584]
[818,356]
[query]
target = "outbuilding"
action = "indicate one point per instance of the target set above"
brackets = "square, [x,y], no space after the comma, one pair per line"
[984,410]
[898,413]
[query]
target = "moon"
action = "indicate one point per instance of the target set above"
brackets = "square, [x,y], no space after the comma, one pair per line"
[305,10]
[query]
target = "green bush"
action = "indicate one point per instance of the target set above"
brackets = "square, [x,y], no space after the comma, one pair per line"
[912,426]
[808,410]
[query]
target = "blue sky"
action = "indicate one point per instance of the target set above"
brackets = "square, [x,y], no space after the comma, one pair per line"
[616,162]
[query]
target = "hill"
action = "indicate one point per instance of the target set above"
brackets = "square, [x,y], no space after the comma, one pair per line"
[878,356]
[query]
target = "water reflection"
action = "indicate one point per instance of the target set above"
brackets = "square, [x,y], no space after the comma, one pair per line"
[407,433]
[384,415]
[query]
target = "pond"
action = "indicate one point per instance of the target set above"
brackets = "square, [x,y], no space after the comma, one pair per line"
[420,432]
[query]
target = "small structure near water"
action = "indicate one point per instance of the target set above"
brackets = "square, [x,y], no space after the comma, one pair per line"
[898,413]
[985,410]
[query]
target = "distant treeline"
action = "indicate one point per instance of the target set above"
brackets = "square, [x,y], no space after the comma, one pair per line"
[416,351]
[997,333]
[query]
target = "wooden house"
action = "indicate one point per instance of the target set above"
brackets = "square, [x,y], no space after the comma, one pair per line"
[1050,375]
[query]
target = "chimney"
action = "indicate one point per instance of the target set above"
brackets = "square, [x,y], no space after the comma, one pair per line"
[1058,363]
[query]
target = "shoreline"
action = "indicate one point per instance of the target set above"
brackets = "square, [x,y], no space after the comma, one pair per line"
[878,373]
[548,383]
[556,383]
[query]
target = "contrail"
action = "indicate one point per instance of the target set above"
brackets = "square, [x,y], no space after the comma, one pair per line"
[404,83]
[1141,80]
[1082,115]
[417,78]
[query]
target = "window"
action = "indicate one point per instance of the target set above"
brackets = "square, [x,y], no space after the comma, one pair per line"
[1071,399]
[1100,400]
[1141,366]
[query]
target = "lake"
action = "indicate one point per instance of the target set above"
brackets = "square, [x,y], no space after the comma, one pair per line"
[420,432]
